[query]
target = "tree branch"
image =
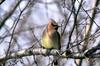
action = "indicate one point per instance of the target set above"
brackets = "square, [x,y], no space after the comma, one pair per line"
[45,52]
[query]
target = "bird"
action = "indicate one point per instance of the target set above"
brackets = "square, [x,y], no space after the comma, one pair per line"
[51,37]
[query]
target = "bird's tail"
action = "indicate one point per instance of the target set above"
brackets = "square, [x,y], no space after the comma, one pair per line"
[55,63]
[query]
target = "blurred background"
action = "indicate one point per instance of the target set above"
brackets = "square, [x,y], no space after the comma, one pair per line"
[22,23]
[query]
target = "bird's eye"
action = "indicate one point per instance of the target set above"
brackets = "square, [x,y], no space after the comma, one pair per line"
[53,24]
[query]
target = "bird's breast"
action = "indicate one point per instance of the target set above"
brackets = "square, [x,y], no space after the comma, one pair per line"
[46,42]
[50,40]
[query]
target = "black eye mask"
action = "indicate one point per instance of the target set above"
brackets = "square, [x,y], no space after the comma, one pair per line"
[54,24]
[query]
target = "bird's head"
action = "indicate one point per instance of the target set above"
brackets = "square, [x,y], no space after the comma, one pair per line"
[53,25]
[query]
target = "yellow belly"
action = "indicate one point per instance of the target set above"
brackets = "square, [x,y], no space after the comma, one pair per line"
[48,43]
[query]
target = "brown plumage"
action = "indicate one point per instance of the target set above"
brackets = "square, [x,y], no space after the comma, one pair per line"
[51,37]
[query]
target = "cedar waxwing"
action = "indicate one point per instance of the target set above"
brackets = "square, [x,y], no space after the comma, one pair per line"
[50,37]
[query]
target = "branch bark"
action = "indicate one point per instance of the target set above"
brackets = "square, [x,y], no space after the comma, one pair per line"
[45,52]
